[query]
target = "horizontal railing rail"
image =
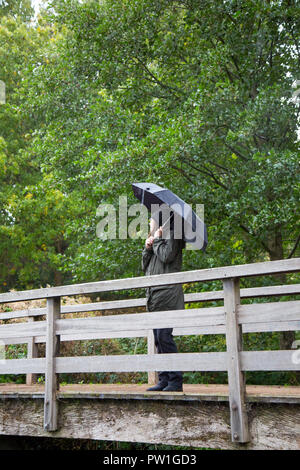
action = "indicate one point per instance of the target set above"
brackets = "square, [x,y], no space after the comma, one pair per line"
[199,275]
[252,314]
[231,319]
[210,296]
[212,362]
[185,331]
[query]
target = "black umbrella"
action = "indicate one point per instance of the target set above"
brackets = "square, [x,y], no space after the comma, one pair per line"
[150,194]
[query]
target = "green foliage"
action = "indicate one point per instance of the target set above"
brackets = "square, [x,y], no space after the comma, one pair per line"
[193,95]
[16,8]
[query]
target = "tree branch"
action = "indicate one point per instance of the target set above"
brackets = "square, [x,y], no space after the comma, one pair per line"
[237,152]
[155,79]
[207,172]
[295,247]
[254,235]
[182,172]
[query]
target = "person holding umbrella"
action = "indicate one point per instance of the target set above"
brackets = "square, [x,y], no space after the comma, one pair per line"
[164,255]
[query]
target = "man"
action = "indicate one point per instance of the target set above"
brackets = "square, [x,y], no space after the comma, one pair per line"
[164,255]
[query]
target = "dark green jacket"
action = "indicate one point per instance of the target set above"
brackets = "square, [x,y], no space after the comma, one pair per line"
[165,256]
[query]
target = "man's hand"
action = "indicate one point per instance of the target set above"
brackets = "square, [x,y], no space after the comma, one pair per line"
[149,242]
[158,233]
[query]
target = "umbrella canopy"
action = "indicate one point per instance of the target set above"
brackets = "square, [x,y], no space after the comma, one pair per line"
[152,196]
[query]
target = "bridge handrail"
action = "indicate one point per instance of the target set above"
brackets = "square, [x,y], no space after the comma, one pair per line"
[183,277]
[209,296]
[197,317]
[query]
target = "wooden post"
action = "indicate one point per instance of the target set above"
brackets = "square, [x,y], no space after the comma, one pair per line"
[52,351]
[32,353]
[152,376]
[236,378]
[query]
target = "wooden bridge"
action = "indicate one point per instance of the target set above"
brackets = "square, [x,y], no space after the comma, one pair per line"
[215,416]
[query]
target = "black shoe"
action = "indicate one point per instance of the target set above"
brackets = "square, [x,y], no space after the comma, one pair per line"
[156,388]
[173,388]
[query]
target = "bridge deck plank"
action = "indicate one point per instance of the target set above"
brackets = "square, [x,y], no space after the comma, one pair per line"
[191,392]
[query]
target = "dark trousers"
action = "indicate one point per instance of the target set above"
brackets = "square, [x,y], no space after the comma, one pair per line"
[165,343]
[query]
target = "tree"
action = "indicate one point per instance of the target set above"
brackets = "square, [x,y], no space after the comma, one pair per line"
[20,8]
[31,222]
[193,95]
[212,83]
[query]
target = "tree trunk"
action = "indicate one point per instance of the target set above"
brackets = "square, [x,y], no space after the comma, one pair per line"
[57,278]
[276,253]
[60,247]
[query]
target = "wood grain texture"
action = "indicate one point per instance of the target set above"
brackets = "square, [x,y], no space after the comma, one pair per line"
[250,292]
[151,349]
[177,331]
[51,378]
[32,353]
[269,360]
[250,360]
[236,379]
[196,424]
[142,321]
[23,366]
[23,330]
[269,312]
[214,361]
[191,392]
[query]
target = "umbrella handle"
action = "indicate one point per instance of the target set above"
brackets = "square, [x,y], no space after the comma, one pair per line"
[167,221]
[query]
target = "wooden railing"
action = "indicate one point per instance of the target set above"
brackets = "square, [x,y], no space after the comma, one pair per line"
[231,319]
